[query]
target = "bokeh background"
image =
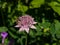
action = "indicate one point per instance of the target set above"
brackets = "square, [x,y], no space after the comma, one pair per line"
[45,12]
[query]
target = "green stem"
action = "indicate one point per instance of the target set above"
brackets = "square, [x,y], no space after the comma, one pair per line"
[26,40]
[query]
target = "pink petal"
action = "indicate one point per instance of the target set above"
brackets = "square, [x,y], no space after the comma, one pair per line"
[21,29]
[27,30]
[17,26]
[34,22]
[33,27]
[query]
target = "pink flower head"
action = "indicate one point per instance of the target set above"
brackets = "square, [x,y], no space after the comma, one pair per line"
[25,22]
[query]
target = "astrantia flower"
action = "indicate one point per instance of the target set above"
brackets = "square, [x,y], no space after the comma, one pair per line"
[25,22]
[4,35]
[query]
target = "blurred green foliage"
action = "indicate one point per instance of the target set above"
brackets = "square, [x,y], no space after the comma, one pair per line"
[45,12]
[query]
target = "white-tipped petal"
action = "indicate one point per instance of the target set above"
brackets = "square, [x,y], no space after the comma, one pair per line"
[17,26]
[33,27]
[21,29]
[27,30]
[34,22]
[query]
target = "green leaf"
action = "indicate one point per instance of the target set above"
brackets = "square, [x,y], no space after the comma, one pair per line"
[55,6]
[58,0]
[12,35]
[4,4]
[52,29]
[54,44]
[36,3]
[21,7]
[46,44]
[57,27]
[3,29]
[6,41]
[9,8]
[45,24]
[20,41]
[31,33]
[38,30]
